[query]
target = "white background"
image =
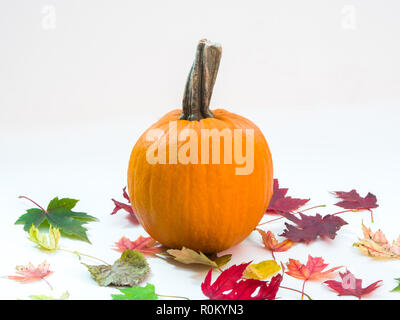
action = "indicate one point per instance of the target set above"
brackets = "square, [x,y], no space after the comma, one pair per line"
[320,78]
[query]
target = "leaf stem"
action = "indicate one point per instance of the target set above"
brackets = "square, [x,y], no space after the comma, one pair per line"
[295,290]
[344,211]
[85,255]
[302,289]
[25,197]
[176,297]
[276,219]
[48,283]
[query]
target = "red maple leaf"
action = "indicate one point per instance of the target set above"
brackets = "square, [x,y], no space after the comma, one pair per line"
[272,244]
[30,273]
[239,289]
[146,245]
[313,270]
[123,206]
[351,286]
[280,203]
[311,227]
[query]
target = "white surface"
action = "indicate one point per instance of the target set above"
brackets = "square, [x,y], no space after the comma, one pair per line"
[74,100]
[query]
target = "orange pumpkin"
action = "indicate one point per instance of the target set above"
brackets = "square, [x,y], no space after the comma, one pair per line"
[189,197]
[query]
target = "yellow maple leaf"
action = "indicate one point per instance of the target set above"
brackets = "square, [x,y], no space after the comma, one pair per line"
[50,243]
[262,270]
[189,256]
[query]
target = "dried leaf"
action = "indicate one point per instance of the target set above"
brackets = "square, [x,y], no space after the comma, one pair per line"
[239,289]
[136,293]
[272,244]
[279,203]
[129,270]
[189,256]
[311,227]
[145,245]
[351,286]
[50,244]
[262,270]
[376,245]
[30,273]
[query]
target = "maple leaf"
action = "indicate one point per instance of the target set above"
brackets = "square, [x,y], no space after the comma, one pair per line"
[272,244]
[280,203]
[136,293]
[145,245]
[64,296]
[50,244]
[311,227]
[398,286]
[59,215]
[353,201]
[129,270]
[30,273]
[376,245]
[312,271]
[189,256]
[261,270]
[351,286]
[123,206]
[240,289]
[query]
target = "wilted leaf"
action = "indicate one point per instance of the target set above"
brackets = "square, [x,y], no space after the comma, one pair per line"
[272,244]
[145,245]
[376,245]
[129,270]
[351,286]
[50,244]
[262,270]
[136,293]
[189,256]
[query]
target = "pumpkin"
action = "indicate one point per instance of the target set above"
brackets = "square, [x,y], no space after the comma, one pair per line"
[184,197]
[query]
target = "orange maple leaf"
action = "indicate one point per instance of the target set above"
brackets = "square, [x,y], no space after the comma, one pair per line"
[272,244]
[313,270]
[146,245]
[30,273]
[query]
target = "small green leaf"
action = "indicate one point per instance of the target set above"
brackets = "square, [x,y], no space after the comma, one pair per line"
[129,270]
[397,289]
[137,293]
[64,296]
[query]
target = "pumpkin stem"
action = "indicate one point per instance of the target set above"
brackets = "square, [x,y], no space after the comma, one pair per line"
[200,82]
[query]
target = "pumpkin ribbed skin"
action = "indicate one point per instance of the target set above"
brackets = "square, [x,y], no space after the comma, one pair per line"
[204,207]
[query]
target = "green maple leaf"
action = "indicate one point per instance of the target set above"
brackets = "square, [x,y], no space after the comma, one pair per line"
[129,270]
[398,286]
[137,293]
[59,215]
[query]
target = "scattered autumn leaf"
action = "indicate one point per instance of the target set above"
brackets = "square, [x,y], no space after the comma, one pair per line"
[136,293]
[125,206]
[64,296]
[280,203]
[376,245]
[398,286]
[129,270]
[272,244]
[239,289]
[351,286]
[189,256]
[312,271]
[59,215]
[145,245]
[30,273]
[311,227]
[261,270]
[353,201]
[50,243]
